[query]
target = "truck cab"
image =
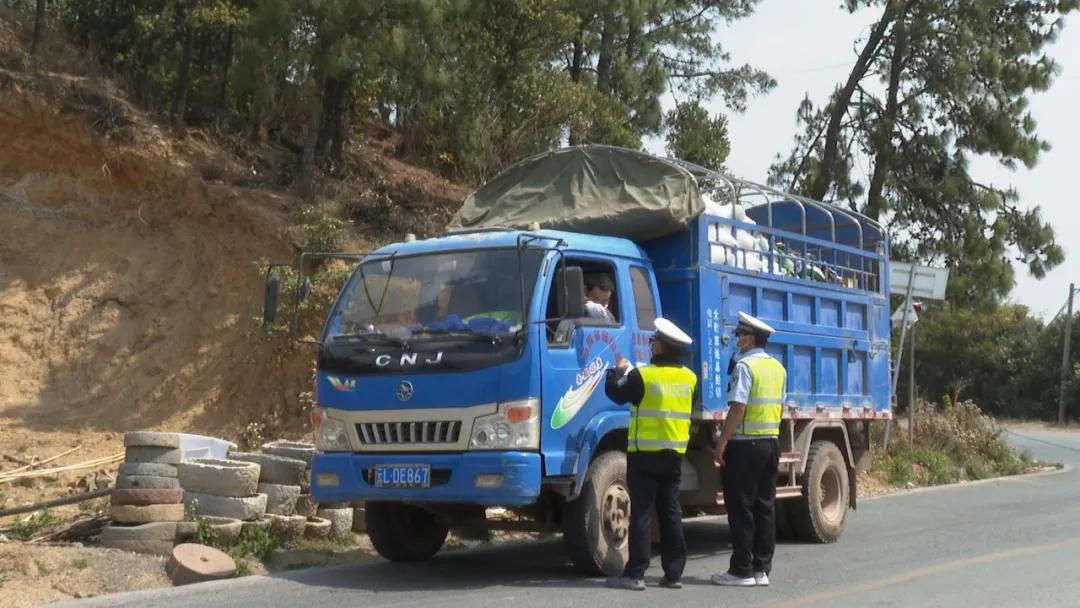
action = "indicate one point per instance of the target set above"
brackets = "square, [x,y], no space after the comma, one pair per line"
[463,372]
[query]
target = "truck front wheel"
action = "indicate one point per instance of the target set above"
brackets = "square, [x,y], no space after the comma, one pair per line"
[818,515]
[404,533]
[596,526]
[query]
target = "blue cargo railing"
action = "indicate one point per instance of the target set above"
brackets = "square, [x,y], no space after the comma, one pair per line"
[790,256]
[757,228]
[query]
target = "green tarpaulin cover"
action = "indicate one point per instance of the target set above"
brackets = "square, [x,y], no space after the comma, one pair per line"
[591,189]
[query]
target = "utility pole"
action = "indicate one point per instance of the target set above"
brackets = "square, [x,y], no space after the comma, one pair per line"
[911,393]
[917,309]
[1065,357]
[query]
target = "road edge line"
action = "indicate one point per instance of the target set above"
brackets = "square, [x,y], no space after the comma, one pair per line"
[967,484]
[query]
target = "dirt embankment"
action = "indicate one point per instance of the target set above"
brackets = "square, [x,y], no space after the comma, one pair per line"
[130,287]
[129,259]
[127,285]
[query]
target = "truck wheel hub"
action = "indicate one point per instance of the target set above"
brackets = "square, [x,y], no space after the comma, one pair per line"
[616,510]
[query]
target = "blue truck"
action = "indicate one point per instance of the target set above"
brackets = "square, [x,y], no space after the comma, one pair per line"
[462,372]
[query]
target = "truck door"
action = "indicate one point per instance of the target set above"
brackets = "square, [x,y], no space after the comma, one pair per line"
[576,355]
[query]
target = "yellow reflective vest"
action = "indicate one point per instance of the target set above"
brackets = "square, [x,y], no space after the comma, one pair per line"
[662,420]
[765,406]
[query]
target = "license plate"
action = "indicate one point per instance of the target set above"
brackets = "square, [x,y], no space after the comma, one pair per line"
[403,476]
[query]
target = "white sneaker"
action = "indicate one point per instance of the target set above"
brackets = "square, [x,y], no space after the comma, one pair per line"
[728,579]
[761,579]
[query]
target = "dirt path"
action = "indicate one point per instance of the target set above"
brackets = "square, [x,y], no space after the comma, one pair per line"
[30,576]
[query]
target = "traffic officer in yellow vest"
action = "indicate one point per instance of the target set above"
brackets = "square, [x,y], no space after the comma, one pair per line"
[662,396]
[749,452]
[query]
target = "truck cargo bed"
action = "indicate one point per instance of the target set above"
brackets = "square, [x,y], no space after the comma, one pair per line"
[821,291]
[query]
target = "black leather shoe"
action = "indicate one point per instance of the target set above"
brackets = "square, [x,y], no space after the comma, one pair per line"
[667,583]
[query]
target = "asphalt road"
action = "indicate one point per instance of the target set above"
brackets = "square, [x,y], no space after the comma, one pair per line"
[998,543]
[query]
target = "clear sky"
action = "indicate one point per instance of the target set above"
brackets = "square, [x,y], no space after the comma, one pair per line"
[808,46]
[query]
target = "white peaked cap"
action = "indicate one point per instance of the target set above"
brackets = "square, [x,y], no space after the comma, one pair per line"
[671,332]
[755,324]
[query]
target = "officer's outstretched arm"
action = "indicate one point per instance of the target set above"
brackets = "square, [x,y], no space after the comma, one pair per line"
[629,388]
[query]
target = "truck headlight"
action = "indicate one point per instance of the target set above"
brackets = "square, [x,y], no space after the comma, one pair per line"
[516,425]
[330,434]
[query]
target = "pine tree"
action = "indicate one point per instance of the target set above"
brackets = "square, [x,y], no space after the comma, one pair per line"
[696,137]
[953,80]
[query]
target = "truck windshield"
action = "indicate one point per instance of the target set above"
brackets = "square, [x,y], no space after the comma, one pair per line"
[470,294]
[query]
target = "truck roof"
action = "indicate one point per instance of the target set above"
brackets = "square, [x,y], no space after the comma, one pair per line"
[494,238]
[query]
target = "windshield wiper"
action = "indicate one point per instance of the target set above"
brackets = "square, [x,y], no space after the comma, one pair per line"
[458,333]
[365,336]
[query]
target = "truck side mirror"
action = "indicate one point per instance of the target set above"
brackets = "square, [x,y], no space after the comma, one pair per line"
[570,292]
[270,300]
[305,289]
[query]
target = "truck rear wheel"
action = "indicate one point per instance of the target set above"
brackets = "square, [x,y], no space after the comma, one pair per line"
[818,516]
[404,533]
[596,526]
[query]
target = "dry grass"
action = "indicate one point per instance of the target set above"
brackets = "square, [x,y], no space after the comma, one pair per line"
[952,443]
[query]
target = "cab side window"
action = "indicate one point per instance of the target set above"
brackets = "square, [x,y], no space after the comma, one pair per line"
[602,304]
[644,299]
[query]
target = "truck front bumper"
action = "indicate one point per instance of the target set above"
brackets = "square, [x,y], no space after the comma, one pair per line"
[453,478]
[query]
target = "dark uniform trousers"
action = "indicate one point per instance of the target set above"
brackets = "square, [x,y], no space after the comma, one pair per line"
[654,478]
[749,478]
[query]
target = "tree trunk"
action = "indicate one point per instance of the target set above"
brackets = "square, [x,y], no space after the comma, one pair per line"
[184,79]
[579,54]
[385,110]
[39,24]
[839,105]
[607,52]
[307,157]
[341,131]
[255,127]
[883,138]
[331,90]
[576,66]
[223,93]
[311,140]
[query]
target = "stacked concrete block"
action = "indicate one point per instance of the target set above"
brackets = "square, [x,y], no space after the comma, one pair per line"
[279,478]
[306,506]
[317,528]
[340,516]
[250,527]
[287,528]
[222,488]
[359,519]
[297,451]
[291,449]
[225,531]
[154,538]
[147,502]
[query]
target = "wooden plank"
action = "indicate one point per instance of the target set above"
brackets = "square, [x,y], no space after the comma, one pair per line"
[56,502]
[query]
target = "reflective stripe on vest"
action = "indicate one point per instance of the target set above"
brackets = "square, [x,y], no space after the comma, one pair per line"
[765,406]
[662,420]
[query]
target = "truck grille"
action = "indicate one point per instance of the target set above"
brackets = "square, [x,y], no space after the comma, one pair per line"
[408,433]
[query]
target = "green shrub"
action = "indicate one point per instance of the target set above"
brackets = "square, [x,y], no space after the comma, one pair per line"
[957,441]
[321,231]
[243,568]
[977,468]
[900,471]
[25,529]
[254,543]
[940,468]
[204,534]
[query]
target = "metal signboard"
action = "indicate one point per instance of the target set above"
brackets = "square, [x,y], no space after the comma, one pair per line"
[927,282]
